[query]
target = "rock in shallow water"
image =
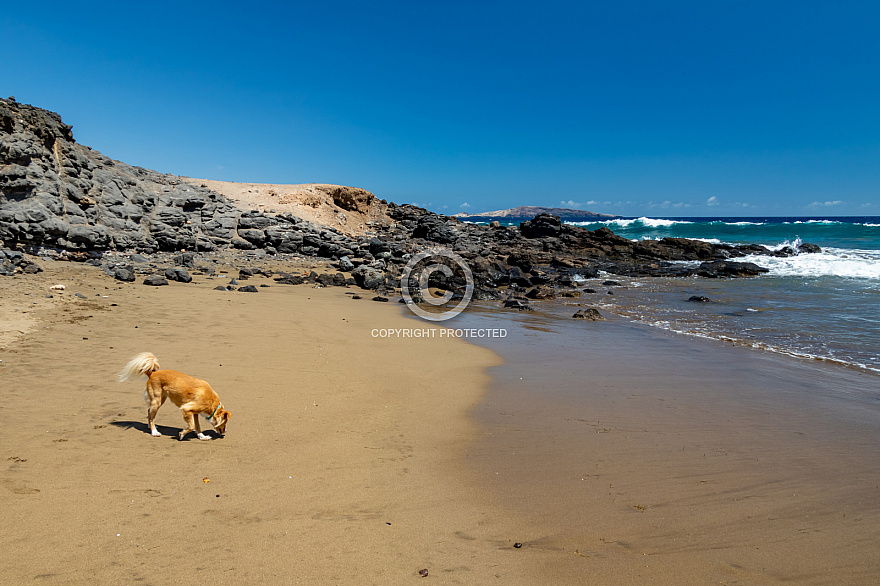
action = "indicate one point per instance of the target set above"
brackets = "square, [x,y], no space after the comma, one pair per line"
[589,314]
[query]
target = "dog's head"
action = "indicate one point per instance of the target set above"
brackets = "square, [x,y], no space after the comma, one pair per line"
[221,417]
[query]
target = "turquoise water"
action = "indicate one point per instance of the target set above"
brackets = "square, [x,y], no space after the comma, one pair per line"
[823,306]
[862,233]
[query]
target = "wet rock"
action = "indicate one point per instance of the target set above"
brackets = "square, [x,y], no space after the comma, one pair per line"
[518,304]
[699,299]
[808,248]
[589,314]
[540,293]
[721,268]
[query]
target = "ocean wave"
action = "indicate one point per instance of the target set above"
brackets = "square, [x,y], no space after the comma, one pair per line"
[635,222]
[815,222]
[737,223]
[831,262]
[757,345]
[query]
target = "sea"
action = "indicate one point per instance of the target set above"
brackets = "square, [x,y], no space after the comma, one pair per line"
[820,306]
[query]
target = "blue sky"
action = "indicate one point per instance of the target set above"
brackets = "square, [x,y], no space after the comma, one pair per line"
[633,108]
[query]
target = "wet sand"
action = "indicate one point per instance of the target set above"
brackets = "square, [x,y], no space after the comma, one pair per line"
[637,456]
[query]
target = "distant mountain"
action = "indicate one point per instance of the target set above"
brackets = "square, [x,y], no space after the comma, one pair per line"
[528,212]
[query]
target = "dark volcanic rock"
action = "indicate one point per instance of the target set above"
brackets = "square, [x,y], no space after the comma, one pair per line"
[124,274]
[290,280]
[520,304]
[541,225]
[541,293]
[722,268]
[179,275]
[434,228]
[368,277]
[589,314]
[248,289]
[699,299]
[155,280]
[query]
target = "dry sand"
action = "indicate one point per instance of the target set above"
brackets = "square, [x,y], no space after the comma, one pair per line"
[341,464]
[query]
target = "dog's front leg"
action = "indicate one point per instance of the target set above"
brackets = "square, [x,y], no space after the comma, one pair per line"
[199,429]
[191,424]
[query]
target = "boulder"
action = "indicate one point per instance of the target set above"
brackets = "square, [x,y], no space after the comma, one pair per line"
[541,225]
[588,314]
[179,275]
[155,281]
[368,277]
[124,274]
[699,299]
[725,268]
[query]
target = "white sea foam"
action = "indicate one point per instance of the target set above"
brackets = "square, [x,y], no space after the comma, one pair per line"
[643,221]
[831,262]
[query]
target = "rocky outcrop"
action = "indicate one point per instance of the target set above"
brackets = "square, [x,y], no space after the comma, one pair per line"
[57,194]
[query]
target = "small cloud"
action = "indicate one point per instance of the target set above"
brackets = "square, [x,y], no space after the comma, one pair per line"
[445,207]
[867,205]
[713,201]
[465,205]
[817,204]
[578,204]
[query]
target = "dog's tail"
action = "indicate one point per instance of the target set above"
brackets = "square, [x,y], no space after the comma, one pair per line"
[144,363]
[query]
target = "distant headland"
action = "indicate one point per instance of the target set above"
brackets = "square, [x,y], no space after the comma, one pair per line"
[528,212]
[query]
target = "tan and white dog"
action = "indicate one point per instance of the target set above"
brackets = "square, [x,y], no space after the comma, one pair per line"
[192,395]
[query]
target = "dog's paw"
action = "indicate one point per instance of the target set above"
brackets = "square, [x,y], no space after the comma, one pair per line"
[204,437]
[155,433]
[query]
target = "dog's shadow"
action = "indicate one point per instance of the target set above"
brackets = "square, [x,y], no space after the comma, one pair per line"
[173,432]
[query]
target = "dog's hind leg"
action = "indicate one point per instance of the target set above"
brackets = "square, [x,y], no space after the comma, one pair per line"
[153,404]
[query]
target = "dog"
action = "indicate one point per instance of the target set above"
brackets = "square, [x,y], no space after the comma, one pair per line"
[192,395]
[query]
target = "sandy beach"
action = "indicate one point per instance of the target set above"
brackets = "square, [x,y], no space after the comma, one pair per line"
[612,454]
[340,465]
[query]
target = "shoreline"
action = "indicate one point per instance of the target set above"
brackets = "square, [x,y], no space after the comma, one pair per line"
[634,455]
[385,479]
